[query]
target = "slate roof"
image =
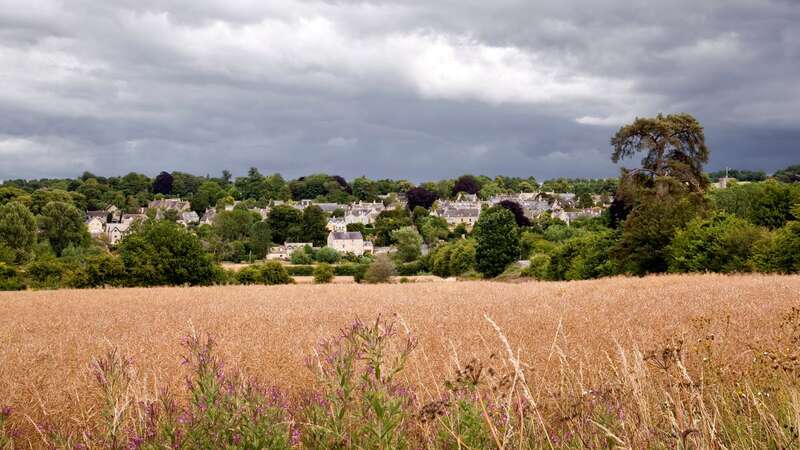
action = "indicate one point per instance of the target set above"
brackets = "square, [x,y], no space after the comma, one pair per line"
[347,235]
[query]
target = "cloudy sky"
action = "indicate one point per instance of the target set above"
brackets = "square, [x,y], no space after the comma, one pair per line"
[388,88]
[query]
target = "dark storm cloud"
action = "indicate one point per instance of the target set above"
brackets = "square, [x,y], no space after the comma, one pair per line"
[403,89]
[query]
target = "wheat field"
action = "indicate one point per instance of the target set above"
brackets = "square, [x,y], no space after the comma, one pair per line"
[48,338]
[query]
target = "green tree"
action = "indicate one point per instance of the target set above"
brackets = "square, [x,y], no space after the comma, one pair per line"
[323,273]
[314,226]
[790,174]
[380,271]
[721,243]
[408,243]
[17,230]
[63,225]
[433,229]
[207,196]
[273,272]
[462,256]
[260,239]
[327,255]
[42,197]
[235,225]
[674,147]
[161,253]
[497,241]
[286,224]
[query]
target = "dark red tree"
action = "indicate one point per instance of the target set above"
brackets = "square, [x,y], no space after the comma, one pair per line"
[163,184]
[420,197]
[468,184]
[519,213]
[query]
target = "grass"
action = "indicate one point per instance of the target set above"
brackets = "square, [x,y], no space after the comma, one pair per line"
[701,361]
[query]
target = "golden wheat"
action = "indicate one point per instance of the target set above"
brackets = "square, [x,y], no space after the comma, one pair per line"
[48,338]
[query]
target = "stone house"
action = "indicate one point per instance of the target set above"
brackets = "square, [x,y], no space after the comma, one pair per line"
[349,242]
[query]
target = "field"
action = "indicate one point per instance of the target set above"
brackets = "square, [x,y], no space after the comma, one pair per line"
[48,338]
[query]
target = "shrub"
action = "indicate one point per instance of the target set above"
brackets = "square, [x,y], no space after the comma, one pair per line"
[10,279]
[323,273]
[462,257]
[98,271]
[583,257]
[273,272]
[380,271]
[300,256]
[327,255]
[779,251]
[248,275]
[538,268]
[45,273]
[300,271]
[412,268]
[721,243]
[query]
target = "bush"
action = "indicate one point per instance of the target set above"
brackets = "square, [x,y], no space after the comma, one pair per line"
[248,275]
[327,255]
[538,268]
[780,251]
[10,279]
[45,273]
[300,256]
[323,273]
[497,241]
[722,243]
[583,257]
[300,271]
[98,271]
[273,272]
[410,269]
[380,271]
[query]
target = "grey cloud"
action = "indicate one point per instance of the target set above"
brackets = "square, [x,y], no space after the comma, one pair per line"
[403,89]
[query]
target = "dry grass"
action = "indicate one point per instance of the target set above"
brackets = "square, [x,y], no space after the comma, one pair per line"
[47,339]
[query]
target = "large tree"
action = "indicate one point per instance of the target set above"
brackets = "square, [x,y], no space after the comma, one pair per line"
[519,213]
[467,184]
[673,147]
[62,225]
[314,226]
[286,224]
[420,196]
[163,184]
[17,230]
[790,174]
[497,241]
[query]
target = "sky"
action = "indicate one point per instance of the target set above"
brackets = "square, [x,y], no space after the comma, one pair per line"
[418,90]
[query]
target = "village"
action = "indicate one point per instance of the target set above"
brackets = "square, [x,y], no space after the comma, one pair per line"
[112,224]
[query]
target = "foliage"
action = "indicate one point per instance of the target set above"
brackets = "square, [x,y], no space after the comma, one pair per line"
[467,184]
[380,271]
[539,267]
[273,272]
[779,252]
[387,222]
[790,174]
[767,204]
[10,279]
[97,271]
[674,146]
[739,175]
[420,196]
[62,225]
[17,230]
[162,253]
[314,226]
[285,223]
[234,225]
[300,256]
[582,258]
[45,273]
[260,238]
[648,232]
[408,242]
[323,273]
[497,241]
[327,255]
[163,184]
[720,243]
[519,214]
[433,229]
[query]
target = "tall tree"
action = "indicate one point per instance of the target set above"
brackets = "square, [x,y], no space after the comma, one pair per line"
[519,213]
[163,184]
[467,184]
[62,225]
[285,223]
[17,230]
[314,226]
[420,196]
[497,241]
[673,146]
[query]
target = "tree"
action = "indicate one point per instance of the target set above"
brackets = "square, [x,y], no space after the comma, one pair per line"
[497,241]
[234,225]
[251,186]
[408,243]
[273,272]
[722,243]
[649,230]
[790,174]
[420,196]
[42,197]
[380,271]
[95,194]
[519,214]
[159,253]
[327,255]
[323,273]
[17,230]
[208,194]
[62,225]
[674,147]
[260,239]
[766,204]
[467,184]
[315,226]
[387,222]
[433,229]
[163,184]
[286,224]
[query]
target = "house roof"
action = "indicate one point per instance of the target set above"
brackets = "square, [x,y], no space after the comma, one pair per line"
[461,212]
[347,235]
